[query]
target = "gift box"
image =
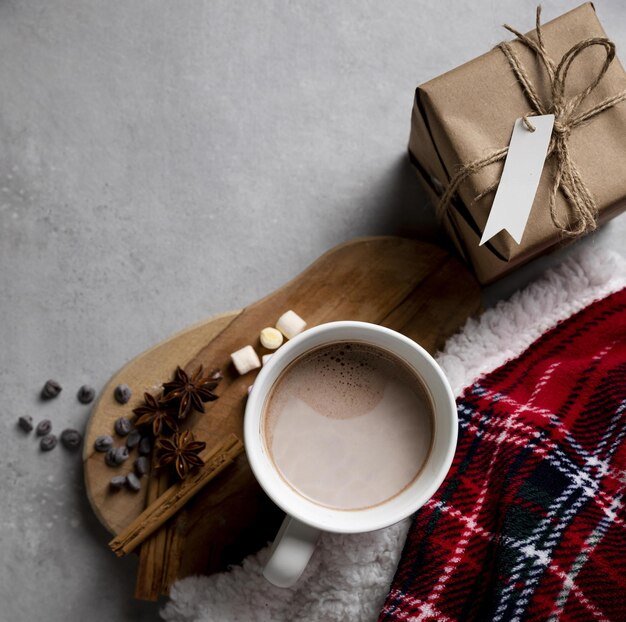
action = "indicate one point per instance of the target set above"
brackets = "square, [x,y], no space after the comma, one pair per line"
[462,122]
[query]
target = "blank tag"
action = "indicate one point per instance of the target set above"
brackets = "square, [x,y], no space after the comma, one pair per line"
[520,178]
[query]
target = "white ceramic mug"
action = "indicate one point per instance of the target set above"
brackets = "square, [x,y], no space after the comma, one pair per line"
[298,534]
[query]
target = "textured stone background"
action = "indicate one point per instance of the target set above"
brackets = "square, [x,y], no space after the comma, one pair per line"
[164,161]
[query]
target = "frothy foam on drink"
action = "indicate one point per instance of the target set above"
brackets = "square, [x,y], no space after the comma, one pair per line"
[348,425]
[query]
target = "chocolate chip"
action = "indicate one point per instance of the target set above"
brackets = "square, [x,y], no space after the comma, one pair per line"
[48,442]
[142,465]
[26,423]
[86,394]
[122,393]
[123,426]
[71,439]
[145,446]
[132,481]
[50,390]
[43,427]
[133,438]
[117,482]
[103,443]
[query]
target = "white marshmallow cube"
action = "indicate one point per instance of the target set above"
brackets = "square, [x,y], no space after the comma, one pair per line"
[290,324]
[245,360]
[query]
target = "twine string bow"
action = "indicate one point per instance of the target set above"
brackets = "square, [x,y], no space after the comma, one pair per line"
[566,179]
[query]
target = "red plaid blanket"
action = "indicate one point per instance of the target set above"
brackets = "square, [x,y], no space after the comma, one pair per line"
[530,522]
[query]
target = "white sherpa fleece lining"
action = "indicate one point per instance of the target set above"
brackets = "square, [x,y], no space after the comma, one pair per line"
[349,575]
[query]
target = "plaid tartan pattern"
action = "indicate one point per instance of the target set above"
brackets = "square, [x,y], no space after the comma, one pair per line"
[530,522]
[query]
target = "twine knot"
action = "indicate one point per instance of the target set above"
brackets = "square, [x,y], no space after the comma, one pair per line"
[566,117]
[561,129]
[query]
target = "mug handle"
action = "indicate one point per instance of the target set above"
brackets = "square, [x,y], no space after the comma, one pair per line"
[292,549]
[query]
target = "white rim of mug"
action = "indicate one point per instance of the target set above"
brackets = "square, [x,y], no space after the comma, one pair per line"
[332,519]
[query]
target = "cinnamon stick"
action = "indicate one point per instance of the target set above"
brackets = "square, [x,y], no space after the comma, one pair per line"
[155,515]
[177,533]
[153,552]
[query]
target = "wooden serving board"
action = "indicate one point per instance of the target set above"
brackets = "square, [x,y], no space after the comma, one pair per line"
[414,287]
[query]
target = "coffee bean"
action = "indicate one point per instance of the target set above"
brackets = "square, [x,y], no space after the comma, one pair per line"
[123,426]
[142,465]
[26,423]
[86,394]
[117,482]
[132,481]
[116,456]
[103,443]
[121,455]
[122,393]
[71,439]
[43,427]
[48,442]
[133,438]
[50,390]
[145,446]
[110,458]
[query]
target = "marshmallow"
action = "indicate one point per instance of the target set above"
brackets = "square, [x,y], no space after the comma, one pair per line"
[290,324]
[271,338]
[245,360]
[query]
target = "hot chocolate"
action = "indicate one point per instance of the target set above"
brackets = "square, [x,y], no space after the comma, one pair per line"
[348,425]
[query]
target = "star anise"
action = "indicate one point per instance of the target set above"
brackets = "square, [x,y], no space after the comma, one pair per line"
[157,413]
[181,450]
[192,391]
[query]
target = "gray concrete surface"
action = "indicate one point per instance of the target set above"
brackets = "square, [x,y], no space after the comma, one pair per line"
[164,161]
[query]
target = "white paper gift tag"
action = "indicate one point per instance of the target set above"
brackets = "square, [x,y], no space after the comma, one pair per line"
[520,178]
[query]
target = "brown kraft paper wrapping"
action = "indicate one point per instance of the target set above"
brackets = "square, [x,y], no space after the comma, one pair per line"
[468,113]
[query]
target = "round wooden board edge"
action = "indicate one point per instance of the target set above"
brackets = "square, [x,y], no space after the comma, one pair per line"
[109,387]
